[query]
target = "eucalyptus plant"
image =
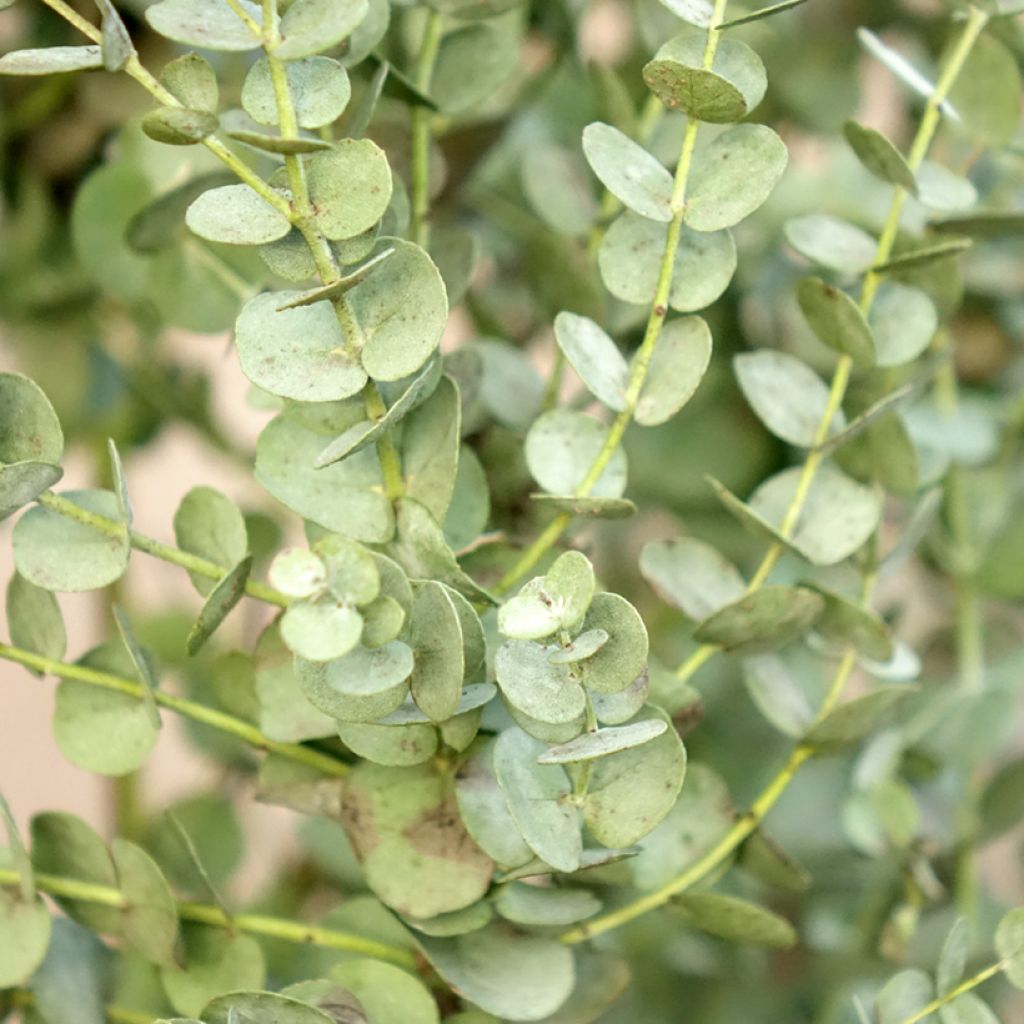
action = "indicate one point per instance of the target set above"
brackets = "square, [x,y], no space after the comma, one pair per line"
[480,734]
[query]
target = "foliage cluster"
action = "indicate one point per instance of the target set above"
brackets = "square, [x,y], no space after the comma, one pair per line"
[499,817]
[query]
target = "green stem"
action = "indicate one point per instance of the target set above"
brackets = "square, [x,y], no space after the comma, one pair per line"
[954,993]
[135,70]
[923,138]
[652,332]
[742,829]
[208,913]
[189,709]
[320,246]
[166,553]
[421,118]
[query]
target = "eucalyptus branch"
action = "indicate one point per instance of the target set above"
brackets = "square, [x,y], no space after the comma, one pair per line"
[745,825]
[320,246]
[219,720]
[165,552]
[136,70]
[922,141]
[208,913]
[642,360]
[954,993]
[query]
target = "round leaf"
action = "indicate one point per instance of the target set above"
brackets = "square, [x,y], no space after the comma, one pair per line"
[632,791]
[838,516]
[209,524]
[691,575]
[537,795]
[837,320]
[628,171]
[595,357]
[57,553]
[630,260]
[732,88]
[1009,943]
[514,976]
[350,187]
[903,321]
[207,24]
[396,746]
[361,687]
[734,176]
[550,603]
[677,367]
[560,449]
[235,215]
[832,242]
[788,397]
[24,938]
[623,656]
[312,26]
[401,309]
[387,994]
[544,907]
[321,630]
[416,855]
[530,682]
[297,353]
[318,86]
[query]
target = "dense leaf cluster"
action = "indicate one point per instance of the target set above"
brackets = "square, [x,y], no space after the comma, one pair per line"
[486,750]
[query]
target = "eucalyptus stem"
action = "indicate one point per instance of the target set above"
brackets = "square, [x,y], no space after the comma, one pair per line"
[923,138]
[954,993]
[421,116]
[744,826]
[208,913]
[165,552]
[320,246]
[652,333]
[189,709]
[135,70]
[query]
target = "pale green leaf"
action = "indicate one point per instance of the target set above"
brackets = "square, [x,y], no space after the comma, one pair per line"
[628,171]
[632,251]
[210,525]
[560,449]
[350,187]
[318,86]
[312,26]
[363,686]
[536,798]
[52,60]
[207,24]
[691,575]
[514,976]
[595,357]
[677,366]
[788,397]
[387,994]
[734,176]
[235,215]
[57,553]
[632,791]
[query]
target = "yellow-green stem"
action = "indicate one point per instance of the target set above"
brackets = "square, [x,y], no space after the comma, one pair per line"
[135,70]
[652,332]
[421,118]
[742,829]
[320,246]
[954,993]
[208,913]
[869,289]
[189,709]
[166,553]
